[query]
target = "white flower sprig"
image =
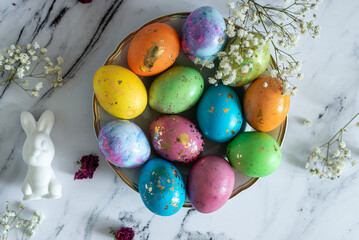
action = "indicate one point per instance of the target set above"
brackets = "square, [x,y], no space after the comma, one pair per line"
[10,219]
[281,26]
[329,160]
[16,62]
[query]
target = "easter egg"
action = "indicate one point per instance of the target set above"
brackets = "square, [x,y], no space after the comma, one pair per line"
[176,138]
[264,106]
[258,60]
[254,154]
[124,144]
[210,183]
[176,90]
[153,49]
[119,91]
[203,33]
[161,187]
[219,113]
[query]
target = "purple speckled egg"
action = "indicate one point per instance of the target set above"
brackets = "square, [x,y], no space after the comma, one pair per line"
[203,33]
[176,138]
[210,183]
[124,144]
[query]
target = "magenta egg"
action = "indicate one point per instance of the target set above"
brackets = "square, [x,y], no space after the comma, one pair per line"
[210,183]
[176,138]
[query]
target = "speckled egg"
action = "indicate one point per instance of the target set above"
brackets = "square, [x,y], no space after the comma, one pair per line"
[210,183]
[264,105]
[259,60]
[124,144]
[176,90]
[176,138]
[153,49]
[219,113]
[119,91]
[254,154]
[203,33]
[161,187]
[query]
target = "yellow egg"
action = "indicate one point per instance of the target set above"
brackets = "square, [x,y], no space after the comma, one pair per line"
[119,91]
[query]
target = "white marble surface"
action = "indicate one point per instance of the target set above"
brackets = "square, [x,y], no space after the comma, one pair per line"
[289,204]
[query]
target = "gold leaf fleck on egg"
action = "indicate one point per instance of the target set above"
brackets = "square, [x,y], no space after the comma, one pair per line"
[167,146]
[230,96]
[225,110]
[183,138]
[166,207]
[212,110]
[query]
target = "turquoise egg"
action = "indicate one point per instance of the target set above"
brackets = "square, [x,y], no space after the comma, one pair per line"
[124,144]
[161,187]
[219,113]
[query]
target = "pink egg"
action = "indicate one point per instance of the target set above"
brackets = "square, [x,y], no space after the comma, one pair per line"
[210,183]
[176,138]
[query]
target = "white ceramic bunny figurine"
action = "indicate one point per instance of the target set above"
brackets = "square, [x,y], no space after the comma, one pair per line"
[38,152]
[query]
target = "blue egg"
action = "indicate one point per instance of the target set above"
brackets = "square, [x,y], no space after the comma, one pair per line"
[203,33]
[219,113]
[162,188]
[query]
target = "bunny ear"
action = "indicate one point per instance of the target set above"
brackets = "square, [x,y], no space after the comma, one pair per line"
[46,122]
[28,122]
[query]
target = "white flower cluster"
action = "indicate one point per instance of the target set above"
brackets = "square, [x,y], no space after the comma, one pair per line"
[279,25]
[10,219]
[328,163]
[16,63]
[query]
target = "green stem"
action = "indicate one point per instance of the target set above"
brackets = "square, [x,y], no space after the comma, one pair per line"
[342,129]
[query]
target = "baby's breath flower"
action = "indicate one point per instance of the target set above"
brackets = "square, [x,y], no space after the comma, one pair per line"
[307,123]
[231,5]
[197,61]
[36,45]
[60,60]
[43,51]
[38,86]
[274,73]
[35,94]
[212,80]
[265,84]
[245,69]
[331,164]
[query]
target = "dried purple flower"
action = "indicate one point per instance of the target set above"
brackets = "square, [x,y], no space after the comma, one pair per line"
[89,164]
[124,233]
[84,1]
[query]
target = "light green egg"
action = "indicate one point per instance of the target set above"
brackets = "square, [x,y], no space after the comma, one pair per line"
[176,90]
[260,60]
[254,154]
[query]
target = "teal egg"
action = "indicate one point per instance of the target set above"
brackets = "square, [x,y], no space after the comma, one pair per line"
[219,113]
[161,187]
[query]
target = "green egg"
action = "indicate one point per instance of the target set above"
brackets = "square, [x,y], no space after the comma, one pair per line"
[176,90]
[255,154]
[260,60]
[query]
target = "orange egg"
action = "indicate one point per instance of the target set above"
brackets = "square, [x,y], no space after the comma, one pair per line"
[153,49]
[265,107]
